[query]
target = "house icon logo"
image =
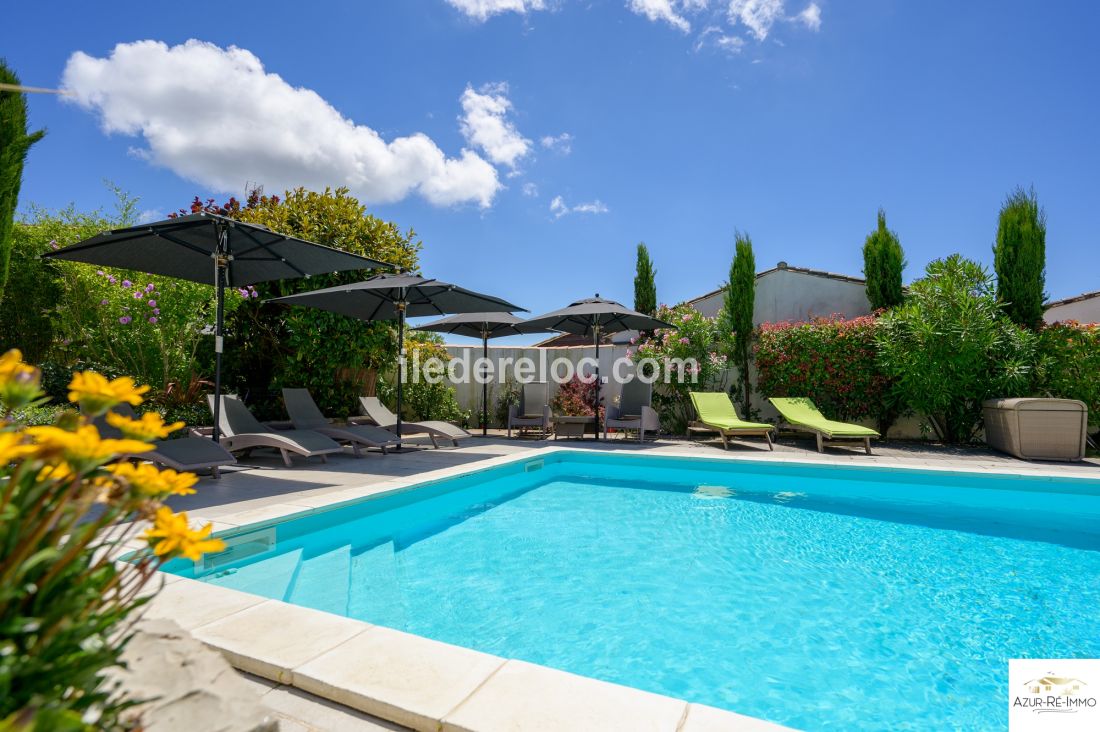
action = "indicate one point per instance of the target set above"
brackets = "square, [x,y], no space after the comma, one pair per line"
[1057,685]
[1056,695]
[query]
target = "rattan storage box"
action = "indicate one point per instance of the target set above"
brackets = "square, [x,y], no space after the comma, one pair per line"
[1036,428]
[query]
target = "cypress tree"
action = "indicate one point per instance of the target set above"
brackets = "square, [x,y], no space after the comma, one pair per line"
[645,284]
[14,144]
[737,311]
[883,262]
[1019,258]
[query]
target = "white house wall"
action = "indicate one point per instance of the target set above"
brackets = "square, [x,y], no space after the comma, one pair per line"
[1083,311]
[786,294]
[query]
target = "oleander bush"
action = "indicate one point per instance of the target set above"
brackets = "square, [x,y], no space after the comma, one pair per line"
[951,346]
[1068,364]
[696,343]
[832,361]
[67,506]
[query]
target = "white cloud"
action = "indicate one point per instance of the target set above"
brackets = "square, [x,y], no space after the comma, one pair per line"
[810,17]
[730,44]
[660,10]
[216,117]
[560,208]
[757,15]
[530,190]
[485,125]
[483,9]
[150,215]
[562,143]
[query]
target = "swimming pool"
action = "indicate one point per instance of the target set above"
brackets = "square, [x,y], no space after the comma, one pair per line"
[820,597]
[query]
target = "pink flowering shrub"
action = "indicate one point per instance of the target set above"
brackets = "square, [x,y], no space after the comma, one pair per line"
[694,340]
[832,361]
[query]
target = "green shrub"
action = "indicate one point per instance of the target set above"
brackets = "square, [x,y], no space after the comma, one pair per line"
[695,337]
[834,362]
[645,286]
[1069,364]
[15,142]
[1019,258]
[950,346]
[736,318]
[883,263]
[508,395]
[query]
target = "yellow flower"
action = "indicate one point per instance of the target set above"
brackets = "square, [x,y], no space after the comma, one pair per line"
[171,536]
[83,448]
[153,482]
[61,471]
[12,448]
[149,427]
[96,395]
[19,382]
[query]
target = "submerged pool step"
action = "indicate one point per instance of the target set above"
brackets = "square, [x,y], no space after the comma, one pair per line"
[321,581]
[271,577]
[376,594]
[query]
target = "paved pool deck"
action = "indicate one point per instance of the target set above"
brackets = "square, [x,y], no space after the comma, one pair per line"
[324,672]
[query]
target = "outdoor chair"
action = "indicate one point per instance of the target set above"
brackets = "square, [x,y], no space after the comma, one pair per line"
[189,454]
[243,432]
[803,415]
[634,411]
[379,414]
[533,410]
[717,414]
[306,415]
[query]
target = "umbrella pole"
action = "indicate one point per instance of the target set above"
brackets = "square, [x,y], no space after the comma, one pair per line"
[485,385]
[400,363]
[219,318]
[596,331]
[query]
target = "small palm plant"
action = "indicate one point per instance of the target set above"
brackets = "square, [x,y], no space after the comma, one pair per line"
[68,507]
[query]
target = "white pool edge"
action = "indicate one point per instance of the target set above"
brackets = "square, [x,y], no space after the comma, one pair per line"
[426,684]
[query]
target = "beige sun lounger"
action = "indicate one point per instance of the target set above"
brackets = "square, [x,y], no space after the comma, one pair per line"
[803,414]
[189,454]
[306,415]
[717,414]
[379,414]
[241,431]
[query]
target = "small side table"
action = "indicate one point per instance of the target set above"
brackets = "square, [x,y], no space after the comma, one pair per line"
[571,426]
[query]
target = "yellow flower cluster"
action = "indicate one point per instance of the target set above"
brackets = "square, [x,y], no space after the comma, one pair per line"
[81,448]
[95,394]
[171,534]
[13,448]
[152,482]
[150,426]
[19,382]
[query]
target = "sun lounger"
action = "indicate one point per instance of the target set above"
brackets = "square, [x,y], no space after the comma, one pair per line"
[188,454]
[306,415]
[241,431]
[379,414]
[533,409]
[802,414]
[717,413]
[634,410]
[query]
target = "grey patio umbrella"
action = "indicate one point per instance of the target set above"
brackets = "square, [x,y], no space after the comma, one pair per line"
[396,297]
[204,247]
[483,326]
[594,316]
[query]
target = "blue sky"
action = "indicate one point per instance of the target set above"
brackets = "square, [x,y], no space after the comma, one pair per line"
[675,122]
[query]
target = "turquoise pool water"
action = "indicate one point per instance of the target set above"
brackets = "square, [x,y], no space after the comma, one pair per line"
[819,597]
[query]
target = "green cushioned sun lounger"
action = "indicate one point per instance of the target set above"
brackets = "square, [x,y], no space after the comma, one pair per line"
[717,413]
[801,413]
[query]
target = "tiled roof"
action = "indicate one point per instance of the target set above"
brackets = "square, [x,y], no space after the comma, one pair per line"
[1076,298]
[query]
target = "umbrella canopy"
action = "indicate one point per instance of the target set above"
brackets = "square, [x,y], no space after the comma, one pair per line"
[396,297]
[205,247]
[585,317]
[188,247]
[593,316]
[483,326]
